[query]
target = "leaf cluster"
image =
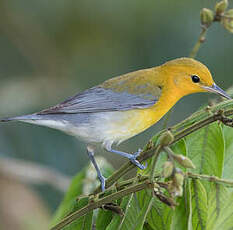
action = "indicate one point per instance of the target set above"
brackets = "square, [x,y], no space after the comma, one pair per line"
[146,203]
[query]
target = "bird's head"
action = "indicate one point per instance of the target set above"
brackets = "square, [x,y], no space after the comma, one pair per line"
[189,76]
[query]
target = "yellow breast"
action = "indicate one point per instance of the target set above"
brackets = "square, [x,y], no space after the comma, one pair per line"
[126,124]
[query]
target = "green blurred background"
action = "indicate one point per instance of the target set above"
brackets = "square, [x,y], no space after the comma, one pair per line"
[50,50]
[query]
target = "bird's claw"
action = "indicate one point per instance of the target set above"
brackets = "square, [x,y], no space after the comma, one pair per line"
[134,160]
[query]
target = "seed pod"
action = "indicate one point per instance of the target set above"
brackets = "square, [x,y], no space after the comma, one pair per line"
[207,17]
[168,168]
[220,7]
[184,161]
[166,138]
[227,20]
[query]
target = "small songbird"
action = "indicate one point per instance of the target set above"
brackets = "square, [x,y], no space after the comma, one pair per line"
[124,106]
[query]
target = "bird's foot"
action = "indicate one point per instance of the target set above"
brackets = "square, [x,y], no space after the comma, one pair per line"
[102,180]
[134,160]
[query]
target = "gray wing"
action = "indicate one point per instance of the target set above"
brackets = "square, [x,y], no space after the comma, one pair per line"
[98,99]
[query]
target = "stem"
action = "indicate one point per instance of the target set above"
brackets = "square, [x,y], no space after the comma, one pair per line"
[154,161]
[210,178]
[200,40]
[108,199]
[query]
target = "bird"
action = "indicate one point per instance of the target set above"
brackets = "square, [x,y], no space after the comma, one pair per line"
[124,106]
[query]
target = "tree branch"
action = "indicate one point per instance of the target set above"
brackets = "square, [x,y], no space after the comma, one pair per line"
[228,183]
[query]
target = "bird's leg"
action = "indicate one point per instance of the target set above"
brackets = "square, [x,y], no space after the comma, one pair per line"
[90,153]
[131,157]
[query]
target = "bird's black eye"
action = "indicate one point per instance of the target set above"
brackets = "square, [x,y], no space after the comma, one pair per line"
[195,78]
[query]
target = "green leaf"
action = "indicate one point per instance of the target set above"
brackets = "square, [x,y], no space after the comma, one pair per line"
[143,214]
[220,212]
[116,220]
[69,202]
[131,212]
[82,182]
[206,149]
[228,161]
[190,213]
[217,198]
[147,227]
[180,214]
[224,220]
[103,219]
[84,222]
[180,147]
[199,205]
[159,217]
[135,216]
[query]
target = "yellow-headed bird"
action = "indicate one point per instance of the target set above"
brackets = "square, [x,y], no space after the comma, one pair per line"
[124,106]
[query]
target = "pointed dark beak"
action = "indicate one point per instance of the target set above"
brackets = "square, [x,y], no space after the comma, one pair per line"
[215,89]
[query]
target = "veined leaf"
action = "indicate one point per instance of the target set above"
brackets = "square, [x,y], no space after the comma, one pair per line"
[103,219]
[181,212]
[225,218]
[206,149]
[131,212]
[180,147]
[143,214]
[135,216]
[228,161]
[159,216]
[217,200]
[116,220]
[199,205]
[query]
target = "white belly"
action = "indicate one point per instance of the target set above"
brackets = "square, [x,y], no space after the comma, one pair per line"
[105,127]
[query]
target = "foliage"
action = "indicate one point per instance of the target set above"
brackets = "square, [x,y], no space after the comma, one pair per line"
[203,205]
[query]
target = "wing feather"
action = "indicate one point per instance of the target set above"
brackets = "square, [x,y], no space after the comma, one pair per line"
[135,90]
[98,99]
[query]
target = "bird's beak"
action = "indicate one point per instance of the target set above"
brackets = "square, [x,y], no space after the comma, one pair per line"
[215,89]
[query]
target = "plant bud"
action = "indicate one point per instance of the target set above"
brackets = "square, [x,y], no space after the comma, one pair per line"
[168,168]
[227,20]
[207,17]
[179,191]
[220,7]
[178,179]
[166,138]
[175,190]
[184,161]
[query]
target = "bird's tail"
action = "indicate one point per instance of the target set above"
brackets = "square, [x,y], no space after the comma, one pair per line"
[24,118]
[37,119]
